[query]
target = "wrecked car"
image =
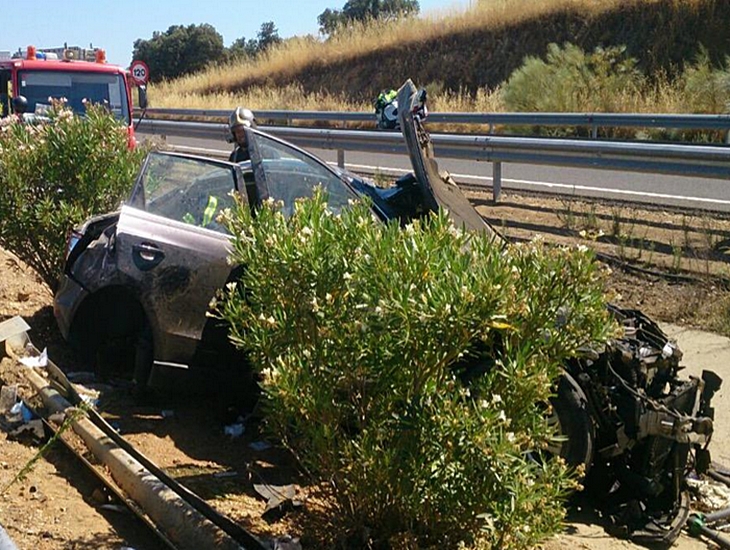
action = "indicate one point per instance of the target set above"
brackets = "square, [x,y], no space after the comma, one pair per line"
[138,282]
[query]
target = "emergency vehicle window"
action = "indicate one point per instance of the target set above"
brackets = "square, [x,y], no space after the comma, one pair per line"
[76,88]
[4,93]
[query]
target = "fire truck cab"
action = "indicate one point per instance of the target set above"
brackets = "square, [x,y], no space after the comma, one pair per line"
[40,77]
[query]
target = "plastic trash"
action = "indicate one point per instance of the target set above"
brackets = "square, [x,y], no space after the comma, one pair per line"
[15,413]
[8,397]
[234,430]
[37,361]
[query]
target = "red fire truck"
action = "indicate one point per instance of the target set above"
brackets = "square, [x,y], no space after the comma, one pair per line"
[39,77]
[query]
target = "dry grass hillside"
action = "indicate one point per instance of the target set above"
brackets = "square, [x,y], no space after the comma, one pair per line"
[474,50]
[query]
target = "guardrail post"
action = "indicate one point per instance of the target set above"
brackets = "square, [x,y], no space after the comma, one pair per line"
[496,180]
[341,158]
[594,131]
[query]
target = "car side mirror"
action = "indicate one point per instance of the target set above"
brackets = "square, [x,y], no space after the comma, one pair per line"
[142,96]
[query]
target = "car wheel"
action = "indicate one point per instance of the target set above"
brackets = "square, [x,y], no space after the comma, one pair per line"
[572,423]
[114,337]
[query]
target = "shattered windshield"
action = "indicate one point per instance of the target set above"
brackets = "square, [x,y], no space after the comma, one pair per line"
[39,87]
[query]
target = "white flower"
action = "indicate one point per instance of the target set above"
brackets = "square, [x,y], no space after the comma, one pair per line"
[501,416]
[347,276]
[496,398]
[306,230]
[511,437]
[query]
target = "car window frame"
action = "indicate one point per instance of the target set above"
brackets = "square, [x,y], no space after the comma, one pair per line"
[137,198]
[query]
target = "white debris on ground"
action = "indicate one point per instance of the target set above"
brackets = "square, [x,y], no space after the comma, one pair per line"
[709,495]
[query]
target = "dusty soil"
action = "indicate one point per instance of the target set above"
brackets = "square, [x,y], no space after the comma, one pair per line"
[57,506]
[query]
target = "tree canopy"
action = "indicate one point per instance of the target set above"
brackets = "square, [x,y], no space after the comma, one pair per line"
[179,50]
[361,10]
[267,36]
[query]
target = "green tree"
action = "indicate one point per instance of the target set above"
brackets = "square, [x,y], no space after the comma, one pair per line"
[362,10]
[179,50]
[243,48]
[267,36]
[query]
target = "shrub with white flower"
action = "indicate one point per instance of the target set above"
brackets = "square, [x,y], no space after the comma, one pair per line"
[412,374]
[54,175]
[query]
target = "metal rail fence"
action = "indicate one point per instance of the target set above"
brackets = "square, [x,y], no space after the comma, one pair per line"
[592,121]
[706,161]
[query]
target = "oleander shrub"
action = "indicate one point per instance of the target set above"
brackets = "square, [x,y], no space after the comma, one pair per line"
[410,368]
[56,173]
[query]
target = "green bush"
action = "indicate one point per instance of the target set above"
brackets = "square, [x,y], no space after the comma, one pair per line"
[55,175]
[369,339]
[571,80]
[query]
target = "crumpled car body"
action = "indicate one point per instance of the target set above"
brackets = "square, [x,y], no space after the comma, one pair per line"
[138,283]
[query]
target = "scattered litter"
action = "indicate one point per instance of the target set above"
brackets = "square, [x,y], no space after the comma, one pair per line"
[259,445]
[8,397]
[278,497]
[15,413]
[712,495]
[33,427]
[36,361]
[234,430]
[90,400]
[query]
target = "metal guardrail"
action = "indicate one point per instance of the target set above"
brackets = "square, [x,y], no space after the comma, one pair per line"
[706,161]
[588,120]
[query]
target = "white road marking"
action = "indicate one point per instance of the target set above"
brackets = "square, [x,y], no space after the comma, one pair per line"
[565,186]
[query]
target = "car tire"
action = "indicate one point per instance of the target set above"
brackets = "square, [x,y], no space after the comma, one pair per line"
[572,421]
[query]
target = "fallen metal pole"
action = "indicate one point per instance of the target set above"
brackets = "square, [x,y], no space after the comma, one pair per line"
[184,525]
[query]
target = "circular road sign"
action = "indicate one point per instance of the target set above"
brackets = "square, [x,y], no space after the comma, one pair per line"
[140,72]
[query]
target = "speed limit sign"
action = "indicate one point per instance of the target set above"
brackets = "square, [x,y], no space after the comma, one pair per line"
[140,72]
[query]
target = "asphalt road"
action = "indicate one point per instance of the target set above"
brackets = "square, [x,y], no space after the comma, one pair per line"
[655,189]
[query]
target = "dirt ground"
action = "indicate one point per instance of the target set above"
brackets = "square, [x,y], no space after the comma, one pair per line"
[56,506]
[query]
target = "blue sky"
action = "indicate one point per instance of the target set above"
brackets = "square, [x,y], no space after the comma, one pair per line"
[115,26]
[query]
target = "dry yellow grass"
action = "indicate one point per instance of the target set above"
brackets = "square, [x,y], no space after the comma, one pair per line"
[213,87]
[293,54]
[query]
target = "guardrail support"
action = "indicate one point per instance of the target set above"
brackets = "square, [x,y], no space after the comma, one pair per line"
[341,158]
[496,180]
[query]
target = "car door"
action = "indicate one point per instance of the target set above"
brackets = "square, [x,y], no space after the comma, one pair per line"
[171,249]
[286,173]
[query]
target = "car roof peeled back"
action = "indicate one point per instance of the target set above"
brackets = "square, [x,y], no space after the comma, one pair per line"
[438,189]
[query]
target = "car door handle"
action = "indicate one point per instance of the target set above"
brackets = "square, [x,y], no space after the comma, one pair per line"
[146,256]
